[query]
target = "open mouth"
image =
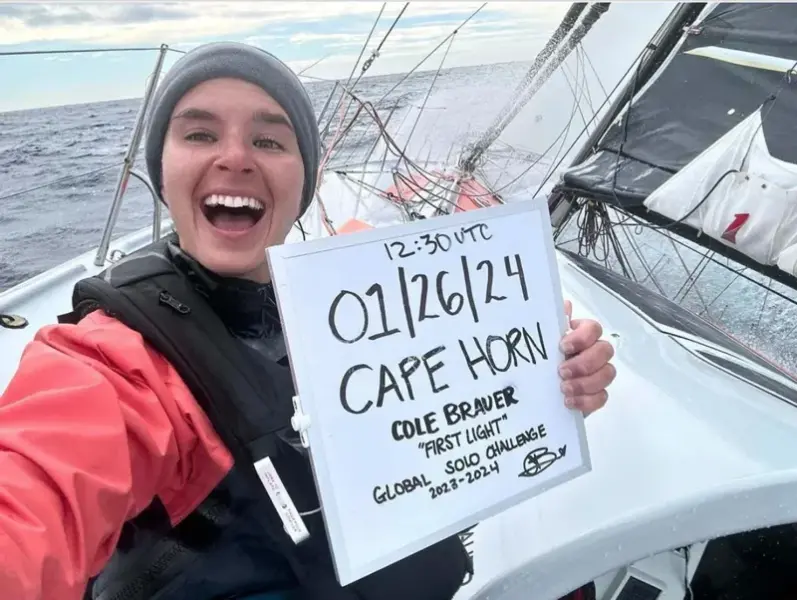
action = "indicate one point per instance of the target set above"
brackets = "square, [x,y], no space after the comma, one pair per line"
[232,213]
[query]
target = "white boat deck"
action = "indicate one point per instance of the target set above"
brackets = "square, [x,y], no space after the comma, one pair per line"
[682,453]
[42,298]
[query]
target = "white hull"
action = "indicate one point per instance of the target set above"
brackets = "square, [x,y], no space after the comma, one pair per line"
[686,450]
[682,453]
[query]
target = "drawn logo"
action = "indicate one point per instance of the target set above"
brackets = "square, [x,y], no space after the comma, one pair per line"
[739,219]
[539,459]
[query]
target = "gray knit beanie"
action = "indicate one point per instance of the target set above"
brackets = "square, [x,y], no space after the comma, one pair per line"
[240,61]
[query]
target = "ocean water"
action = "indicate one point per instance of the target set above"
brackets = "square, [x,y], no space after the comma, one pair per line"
[59,167]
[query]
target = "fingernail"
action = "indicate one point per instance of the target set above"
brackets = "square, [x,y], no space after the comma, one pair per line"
[565,373]
[570,402]
[567,347]
[567,389]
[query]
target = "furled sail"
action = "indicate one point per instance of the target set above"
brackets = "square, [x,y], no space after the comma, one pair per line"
[707,148]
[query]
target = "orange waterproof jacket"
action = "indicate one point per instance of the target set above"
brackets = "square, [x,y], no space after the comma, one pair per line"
[93,426]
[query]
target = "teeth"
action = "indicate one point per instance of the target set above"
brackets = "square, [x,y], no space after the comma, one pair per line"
[233,201]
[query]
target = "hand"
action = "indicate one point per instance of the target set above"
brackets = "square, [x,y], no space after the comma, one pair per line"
[586,371]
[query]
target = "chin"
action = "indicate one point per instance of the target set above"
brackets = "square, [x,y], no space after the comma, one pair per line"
[244,266]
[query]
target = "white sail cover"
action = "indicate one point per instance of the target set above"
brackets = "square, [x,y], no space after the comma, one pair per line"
[736,192]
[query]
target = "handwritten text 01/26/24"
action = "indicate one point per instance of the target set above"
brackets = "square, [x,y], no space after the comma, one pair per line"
[437,242]
[452,303]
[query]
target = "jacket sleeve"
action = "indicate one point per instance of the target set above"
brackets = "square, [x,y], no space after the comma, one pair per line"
[93,426]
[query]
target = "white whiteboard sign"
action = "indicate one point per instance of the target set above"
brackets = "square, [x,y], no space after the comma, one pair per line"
[425,356]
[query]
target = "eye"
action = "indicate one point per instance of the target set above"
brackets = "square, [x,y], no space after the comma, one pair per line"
[200,136]
[267,143]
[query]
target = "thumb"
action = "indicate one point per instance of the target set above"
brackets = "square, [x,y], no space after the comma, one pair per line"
[568,311]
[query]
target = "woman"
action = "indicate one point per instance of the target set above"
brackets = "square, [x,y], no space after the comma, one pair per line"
[128,433]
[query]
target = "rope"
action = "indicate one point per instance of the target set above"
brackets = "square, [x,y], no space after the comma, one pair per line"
[59,180]
[428,93]
[537,79]
[375,54]
[81,51]
[494,130]
[425,58]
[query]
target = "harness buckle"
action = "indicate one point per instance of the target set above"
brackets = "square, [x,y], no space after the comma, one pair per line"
[300,422]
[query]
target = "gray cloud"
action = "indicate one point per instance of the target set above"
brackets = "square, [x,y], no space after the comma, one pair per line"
[144,13]
[42,15]
[37,15]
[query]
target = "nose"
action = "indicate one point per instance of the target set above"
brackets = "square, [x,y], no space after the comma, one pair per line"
[235,156]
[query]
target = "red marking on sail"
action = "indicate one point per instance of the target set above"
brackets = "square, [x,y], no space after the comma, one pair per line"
[739,219]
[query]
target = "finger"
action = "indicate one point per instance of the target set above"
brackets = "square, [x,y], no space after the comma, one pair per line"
[568,311]
[587,362]
[590,384]
[585,333]
[588,404]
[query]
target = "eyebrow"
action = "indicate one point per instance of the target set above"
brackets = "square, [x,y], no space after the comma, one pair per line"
[261,116]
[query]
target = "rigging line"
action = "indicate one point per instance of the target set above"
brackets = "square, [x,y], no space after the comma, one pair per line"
[594,71]
[316,78]
[351,75]
[587,86]
[772,99]
[534,162]
[392,146]
[577,97]
[637,251]
[365,45]
[428,93]
[77,51]
[691,274]
[577,34]
[555,40]
[58,180]
[763,306]
[597,112]
[694,275]
[677,239]
[436,48]
[375,53]
[582,62]
[367,64]
[340,134]
[354,98]
[566,72]
[303,71]
[356,146]
[720,294]
[562,136]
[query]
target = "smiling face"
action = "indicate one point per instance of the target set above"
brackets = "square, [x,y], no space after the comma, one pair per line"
[232,176]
